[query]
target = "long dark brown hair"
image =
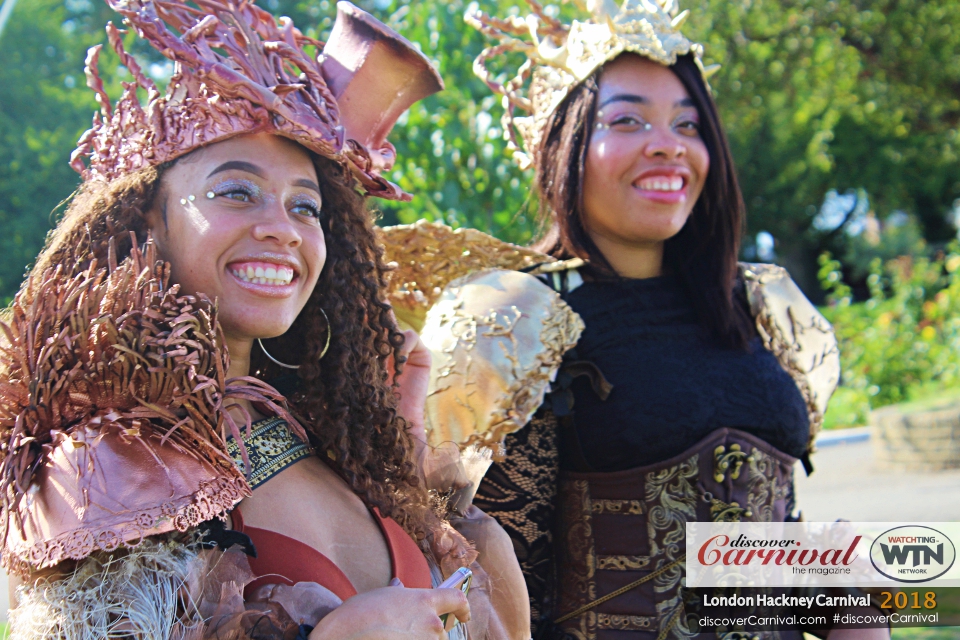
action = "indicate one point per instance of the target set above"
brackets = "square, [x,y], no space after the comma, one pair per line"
[345,400]
[703,254]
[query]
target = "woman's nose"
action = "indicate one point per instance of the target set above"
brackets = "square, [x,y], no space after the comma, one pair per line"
[276,226]
[664,143]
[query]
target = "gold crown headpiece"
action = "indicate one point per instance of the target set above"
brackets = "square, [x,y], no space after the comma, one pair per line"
[238,70]
[560,56]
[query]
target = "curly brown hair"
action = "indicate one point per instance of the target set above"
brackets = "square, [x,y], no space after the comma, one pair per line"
[345,402]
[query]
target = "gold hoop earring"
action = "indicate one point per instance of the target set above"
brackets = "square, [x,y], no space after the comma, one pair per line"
[296,366]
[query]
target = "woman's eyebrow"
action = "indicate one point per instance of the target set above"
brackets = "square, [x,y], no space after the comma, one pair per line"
[239,165]
[629,97]
[623,97]
[308,184]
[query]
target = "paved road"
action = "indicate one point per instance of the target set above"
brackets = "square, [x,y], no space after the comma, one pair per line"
[846,484]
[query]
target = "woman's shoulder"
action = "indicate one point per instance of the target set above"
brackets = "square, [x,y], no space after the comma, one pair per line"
[794,331]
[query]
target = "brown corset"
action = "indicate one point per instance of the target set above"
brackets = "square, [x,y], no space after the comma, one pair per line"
[618,527]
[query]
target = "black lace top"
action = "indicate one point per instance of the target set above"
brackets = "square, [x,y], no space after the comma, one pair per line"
[671,387]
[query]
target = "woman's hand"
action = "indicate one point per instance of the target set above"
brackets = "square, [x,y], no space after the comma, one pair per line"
[413,383]
[394,613]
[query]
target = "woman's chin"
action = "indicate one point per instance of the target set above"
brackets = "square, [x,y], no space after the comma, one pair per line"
[252,325]
[650,234]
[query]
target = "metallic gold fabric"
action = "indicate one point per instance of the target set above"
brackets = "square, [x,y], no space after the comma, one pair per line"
[428,255]
[796,333]
[497,338]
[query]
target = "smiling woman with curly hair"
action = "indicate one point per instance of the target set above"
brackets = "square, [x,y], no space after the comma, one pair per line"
[350,395]
[201,386]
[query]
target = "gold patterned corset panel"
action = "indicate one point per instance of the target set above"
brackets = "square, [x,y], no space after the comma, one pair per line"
[617,528]
[271,447]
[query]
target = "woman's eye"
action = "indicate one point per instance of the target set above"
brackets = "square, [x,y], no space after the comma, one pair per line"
[627,121]
[239,195]
[237,190]
[309,209]
[688,126]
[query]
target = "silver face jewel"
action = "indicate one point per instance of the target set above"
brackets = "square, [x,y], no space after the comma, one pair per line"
[211,195]
[183,201]
[645,127]
[191,197]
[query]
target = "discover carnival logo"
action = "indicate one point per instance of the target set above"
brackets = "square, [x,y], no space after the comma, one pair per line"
[912,553]
[744,551]
[821,554]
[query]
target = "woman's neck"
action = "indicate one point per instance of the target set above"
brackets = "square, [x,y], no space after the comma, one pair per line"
[239,350]
[631,260]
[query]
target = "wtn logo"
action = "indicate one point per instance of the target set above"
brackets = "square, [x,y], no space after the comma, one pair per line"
[912,553]
[899,554]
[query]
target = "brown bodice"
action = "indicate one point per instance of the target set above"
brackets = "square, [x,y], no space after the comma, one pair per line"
[616,528]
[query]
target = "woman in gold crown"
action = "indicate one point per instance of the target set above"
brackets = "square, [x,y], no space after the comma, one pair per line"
[696,383]
[219,241]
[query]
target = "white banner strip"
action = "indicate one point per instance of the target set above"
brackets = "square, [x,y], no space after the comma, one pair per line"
[787,554]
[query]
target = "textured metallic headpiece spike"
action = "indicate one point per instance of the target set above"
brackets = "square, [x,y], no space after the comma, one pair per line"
[238,70]
[561,56]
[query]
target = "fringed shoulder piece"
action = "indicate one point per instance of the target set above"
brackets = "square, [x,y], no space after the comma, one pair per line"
[112,412]
[797,334]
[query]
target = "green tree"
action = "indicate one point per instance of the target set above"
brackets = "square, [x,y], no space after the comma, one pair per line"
[41,117]
[815,94]
[838,94]
[452,156]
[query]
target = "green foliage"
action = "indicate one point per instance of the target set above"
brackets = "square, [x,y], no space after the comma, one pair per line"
[815,95]
[904,342]
[899,235]
[40,121]
[821,94]
[452,156]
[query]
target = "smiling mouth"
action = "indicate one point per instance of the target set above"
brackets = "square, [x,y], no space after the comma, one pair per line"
[666,184]
[263,273]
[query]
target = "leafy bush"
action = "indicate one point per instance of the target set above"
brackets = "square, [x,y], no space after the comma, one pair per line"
[901,344]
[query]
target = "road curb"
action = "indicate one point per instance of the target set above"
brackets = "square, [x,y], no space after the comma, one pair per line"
[843,436]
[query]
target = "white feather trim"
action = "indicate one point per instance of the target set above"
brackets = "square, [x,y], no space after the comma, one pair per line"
[139,594]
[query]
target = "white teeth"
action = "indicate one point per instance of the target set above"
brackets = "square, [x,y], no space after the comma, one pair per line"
[662,183]
[276,276]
